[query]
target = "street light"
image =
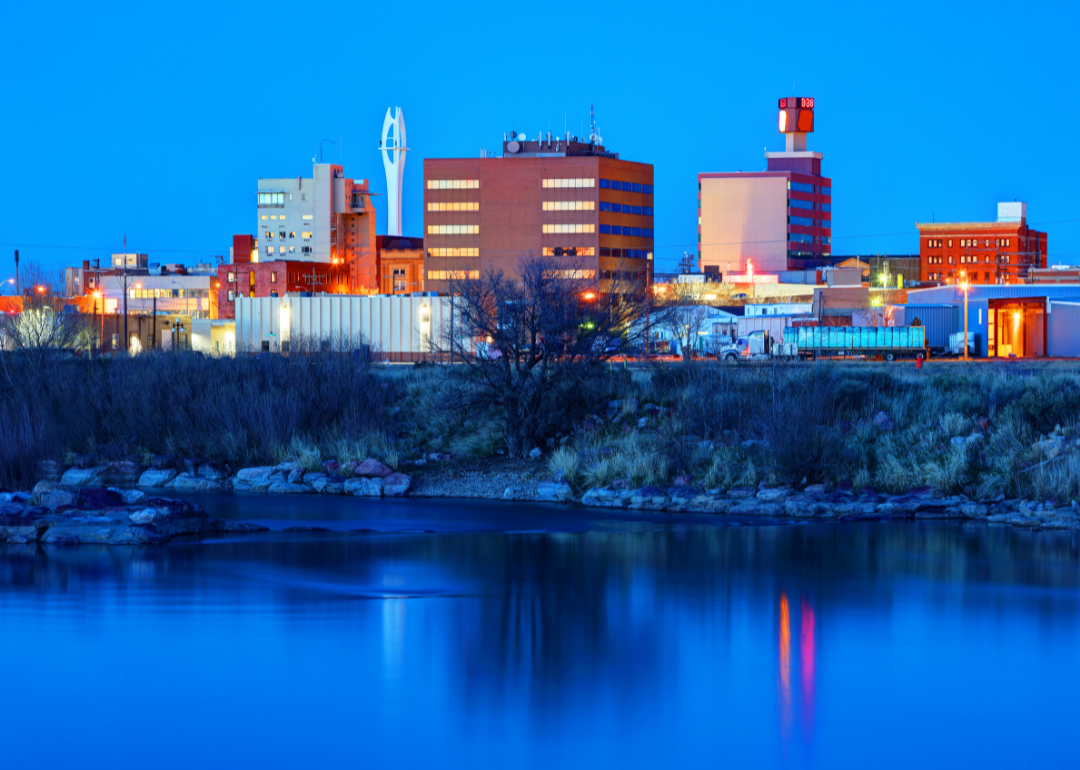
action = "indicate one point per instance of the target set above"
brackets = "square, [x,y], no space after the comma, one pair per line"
[177,330]
[964,287]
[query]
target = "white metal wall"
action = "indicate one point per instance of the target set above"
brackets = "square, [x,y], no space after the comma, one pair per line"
[398,327]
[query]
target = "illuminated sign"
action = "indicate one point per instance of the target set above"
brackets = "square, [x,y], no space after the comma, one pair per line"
[796,115]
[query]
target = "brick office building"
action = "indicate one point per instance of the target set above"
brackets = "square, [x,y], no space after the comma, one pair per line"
[998,252]
[571,200]
[401,264]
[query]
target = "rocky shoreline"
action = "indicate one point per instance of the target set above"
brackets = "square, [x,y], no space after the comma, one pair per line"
[73,506]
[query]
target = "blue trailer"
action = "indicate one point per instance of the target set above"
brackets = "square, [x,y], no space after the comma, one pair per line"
[887,341]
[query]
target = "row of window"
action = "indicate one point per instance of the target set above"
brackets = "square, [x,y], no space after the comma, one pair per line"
[634,232]
[809,188]
[463,252]
[621,275]
[615,208]
[968,243]
[805,222]
[452,275]
[569,183]
[453,229]
[940,276]
[614,184]
[168,293]
[626,253]
[969,259]
[569,229]
[453,184]
[573,275]
[571,206]
[569,251]
[795,203]
[455,206]
[305,234]
[271,199]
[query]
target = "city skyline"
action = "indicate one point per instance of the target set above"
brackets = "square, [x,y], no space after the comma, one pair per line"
[914,126]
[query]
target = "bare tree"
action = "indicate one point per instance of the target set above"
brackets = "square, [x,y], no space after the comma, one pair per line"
[684,313]
[525,337]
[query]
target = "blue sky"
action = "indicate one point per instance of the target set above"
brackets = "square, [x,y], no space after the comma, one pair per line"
[157,120]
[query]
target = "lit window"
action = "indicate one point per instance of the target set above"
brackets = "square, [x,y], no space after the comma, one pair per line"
[569,251]
[282,217]
[273,276]
[568,229]
[292,249]
[269,235]
[264,216]
[453,229]
[273,216]
[281,250]
[232,277]
[308,217]
[458,252]
[569,183]
[452,275]
[230,296]
[305,234]
[454,206]
[569,205]
[453,184]
[271,199]
[269,249]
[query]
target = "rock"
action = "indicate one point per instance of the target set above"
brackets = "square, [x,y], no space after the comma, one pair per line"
[289,488]
[132,497]
[776,494]
[144,516]
[257,479]
[349,468]
[957,441]
[328,485]
[193,483]
[211,471]
[191,465]
[643,422]
[22,497]
[535,453]
[741,492]
[620,484]
[883,421]
[396,485]
[287,467]
[156,477]
[50,470]
[652,409]
[590,498]
[54,498]
[162,462]
[331,467]
[508,493]
[362,486]
[1050,447]
[296,476]
[80,477]
[684,481]
[553,491]
[372,468]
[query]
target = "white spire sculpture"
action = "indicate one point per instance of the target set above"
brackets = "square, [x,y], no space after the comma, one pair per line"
[392,148]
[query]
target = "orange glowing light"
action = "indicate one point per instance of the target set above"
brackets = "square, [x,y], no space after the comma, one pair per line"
[785,667]
[783,121]
[588,296]
[41,289]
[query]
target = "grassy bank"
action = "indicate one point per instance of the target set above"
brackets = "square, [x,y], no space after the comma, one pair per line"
[980,430]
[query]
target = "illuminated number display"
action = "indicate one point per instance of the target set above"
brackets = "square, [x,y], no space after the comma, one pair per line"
[806,104]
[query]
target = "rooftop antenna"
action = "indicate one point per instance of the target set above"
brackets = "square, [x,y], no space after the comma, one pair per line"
[593,138]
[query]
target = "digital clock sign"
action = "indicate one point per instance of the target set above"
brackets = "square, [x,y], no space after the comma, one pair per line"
[796,115]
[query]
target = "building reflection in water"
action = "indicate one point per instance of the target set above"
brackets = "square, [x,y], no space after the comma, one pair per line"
[804,699]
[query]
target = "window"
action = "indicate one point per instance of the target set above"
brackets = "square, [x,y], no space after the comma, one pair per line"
[469,252]
[647,211]
[569,228]
[797,238]
[269,235]
[826,223]
[305,250]
[305,234]
[231,296]
[795,203]
[453,184]
[646,189]
[455,206]
[308,217]
[271,199]
[264,216]
[231,278]
[636,231]
[826,191]
[605,184]
[282,217]
[273,277]
[452,275]
[637,210]
[569,205]
[569,251]
[605,229]
[950,243]
[801,221]
[569,183]
[269,249]
[605,206]
[399,279]
[281,249]
[800,187]
[292,249]
[281,234]
[825,240]
[453,229]
[292,233]
[574,275]
[646,232]
[826,207]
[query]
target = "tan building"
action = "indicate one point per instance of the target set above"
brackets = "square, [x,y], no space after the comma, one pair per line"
[401,264]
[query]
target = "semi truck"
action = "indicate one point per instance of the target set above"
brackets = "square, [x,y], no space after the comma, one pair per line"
[889,342]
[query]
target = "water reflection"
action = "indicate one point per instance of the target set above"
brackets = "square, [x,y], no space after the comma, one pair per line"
[649,643]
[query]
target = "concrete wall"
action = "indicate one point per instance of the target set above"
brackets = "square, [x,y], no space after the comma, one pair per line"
[1064,327]
[394,326]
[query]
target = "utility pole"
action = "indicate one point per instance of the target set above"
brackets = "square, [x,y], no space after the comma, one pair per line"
[18,287]
[153,324]
[964,287]
[124,342]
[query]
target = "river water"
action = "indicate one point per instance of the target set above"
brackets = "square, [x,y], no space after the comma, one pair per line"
[475,635]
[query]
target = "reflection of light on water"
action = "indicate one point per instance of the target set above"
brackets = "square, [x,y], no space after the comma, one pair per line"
[806,681]
[807,656]
[393,637]
[785,669]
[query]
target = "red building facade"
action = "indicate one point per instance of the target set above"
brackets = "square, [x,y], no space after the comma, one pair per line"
[273,279]
[1001,252]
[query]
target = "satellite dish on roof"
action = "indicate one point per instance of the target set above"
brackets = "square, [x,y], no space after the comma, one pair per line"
[521,136]
[513,146]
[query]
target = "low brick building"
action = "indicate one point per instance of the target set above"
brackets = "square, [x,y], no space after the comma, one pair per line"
[401,264]
[275,279]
